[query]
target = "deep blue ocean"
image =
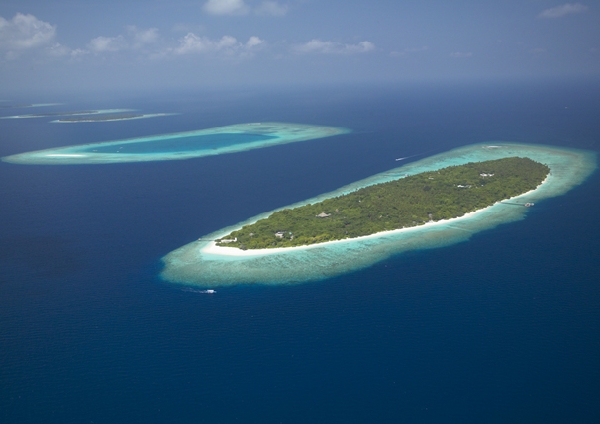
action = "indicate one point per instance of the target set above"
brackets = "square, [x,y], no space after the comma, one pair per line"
[504,328]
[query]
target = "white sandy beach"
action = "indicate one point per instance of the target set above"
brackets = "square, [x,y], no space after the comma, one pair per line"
[212,249]
[141,116]
[205,264]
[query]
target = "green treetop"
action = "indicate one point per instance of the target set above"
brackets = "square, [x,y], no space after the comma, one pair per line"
[413,200]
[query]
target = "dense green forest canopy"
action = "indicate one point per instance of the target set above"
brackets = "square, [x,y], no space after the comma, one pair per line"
[413,200]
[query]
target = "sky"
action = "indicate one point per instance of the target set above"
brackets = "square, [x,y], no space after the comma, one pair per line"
[162,44]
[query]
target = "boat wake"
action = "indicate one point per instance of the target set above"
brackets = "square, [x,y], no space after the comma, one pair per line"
[209,291]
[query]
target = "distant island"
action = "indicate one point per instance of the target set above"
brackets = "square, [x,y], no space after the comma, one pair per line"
[27,105]
[413,200]
[16,106]
[50,114]
[69,115]
[173,146]
[101,118]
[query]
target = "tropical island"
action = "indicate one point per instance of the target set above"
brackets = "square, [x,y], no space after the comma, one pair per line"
[410,201]
[101,118]
[203,264]
[27,105]
[174,146]
[50,114]
[67,114]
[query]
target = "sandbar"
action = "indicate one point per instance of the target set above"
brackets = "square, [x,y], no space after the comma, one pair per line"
[75,113]
[109,118]
[23,106]
[202,263]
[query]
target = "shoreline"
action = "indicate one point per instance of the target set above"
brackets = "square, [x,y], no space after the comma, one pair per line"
[129,118]
[274,134]
[200,263]
[76,113]
[212,249]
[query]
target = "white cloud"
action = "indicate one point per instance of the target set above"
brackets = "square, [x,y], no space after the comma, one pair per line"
[461,54]
[560,11]
[269,7]
[25,32]
[226,7]
[143,36]
[239,7]
[59,50]
[318,46]
[107,44]
[253,42]
[134,39]
[192,43]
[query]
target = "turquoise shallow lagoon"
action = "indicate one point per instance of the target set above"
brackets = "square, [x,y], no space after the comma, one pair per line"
[177,146]
[96,116]
[183,144]
[201,263]
[110,118]
[77,113]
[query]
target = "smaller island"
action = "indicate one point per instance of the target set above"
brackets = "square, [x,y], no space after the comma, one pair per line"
[173,146]
[69,115]
[16,106]
[51,114]
[200,263]
[27,105]
[101,118]
[407,202]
